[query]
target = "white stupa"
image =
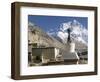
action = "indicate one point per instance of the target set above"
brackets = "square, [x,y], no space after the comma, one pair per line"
[70,55]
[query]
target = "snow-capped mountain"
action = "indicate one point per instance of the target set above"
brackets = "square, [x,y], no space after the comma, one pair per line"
[78,32]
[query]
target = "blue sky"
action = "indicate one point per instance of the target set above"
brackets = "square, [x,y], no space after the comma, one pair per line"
[53,22]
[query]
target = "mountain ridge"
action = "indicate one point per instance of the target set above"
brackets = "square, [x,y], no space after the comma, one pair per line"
[78,32]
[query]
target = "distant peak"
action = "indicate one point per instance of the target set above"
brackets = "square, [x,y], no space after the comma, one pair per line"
[30,23]
[75,21]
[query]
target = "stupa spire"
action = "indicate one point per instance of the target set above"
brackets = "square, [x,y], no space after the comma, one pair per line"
[69,38]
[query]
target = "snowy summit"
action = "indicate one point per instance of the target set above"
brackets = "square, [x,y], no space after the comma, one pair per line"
[78,32]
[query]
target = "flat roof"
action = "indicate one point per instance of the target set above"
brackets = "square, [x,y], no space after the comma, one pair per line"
[44,48]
